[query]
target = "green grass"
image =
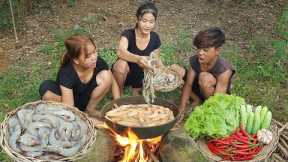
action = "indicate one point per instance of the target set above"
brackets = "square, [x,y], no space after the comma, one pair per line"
[16,88]
[262,70]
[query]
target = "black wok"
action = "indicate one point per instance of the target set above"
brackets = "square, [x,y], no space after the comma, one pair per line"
[141,132]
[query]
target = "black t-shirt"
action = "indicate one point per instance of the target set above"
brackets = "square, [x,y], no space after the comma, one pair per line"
[69,78]
[153,44]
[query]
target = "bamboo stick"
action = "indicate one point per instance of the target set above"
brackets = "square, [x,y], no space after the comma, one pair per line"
[13,21]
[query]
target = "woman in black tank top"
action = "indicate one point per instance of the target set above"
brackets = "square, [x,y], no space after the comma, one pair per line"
[134,47]
[208,73]
[83,78]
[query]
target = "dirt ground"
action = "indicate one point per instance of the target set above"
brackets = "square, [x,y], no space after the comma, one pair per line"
[239,20]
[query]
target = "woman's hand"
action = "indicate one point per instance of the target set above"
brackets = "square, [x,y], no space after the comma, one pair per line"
[143,62]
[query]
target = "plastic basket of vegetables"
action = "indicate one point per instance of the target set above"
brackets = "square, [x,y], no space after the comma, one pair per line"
[227,129]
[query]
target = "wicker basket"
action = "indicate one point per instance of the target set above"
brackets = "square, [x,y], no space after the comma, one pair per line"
[168,86]
[262,155]
[20,158]
[280,154]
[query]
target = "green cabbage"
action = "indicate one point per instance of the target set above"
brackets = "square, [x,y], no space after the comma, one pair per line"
[217,117]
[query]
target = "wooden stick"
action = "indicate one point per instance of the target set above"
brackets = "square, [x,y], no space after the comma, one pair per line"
[151,154]
[13,21]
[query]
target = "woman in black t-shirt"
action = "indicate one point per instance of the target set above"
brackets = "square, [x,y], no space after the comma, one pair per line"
[134,47]
[83,78]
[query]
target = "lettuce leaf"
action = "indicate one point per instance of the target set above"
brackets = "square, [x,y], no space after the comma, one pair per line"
[216,117]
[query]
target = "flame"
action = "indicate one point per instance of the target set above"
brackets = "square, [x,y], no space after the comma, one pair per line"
[134,147]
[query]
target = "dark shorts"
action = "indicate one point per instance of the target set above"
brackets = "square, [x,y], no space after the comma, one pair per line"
[49,85]
[134,77]
[80,101]
[196,87]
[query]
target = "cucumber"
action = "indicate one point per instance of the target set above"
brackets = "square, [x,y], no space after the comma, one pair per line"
[250,122]
[267,120]
[249,108]
[243,116]
[263,114]
[257,122]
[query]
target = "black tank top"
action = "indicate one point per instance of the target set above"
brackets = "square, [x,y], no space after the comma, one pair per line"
[220,66]
[153,44]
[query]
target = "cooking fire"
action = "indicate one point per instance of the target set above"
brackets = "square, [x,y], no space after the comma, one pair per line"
[137,128]
[133,149]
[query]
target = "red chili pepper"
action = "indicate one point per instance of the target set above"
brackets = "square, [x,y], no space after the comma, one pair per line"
[238,146]
[242,140]
[221,147]
[242,158]
[212,148]
[243,135]
[243,131]
[257,149]
[241,146]
[225,153]
[221,141]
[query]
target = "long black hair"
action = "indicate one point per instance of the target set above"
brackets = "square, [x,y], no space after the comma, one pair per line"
[147,7]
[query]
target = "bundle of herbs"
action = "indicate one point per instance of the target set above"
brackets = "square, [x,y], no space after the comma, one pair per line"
[216,117]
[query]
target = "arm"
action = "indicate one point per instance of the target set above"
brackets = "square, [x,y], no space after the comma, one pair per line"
[104,83]
[223,81]
[124,54]
[156,56]
[67,96]
[115,89]
[187,89]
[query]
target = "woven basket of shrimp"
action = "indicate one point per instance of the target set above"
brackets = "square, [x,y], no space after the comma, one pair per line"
[47,131]
[262,155]
[166,80]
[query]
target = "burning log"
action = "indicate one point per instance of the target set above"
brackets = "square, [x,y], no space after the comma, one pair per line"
[151,154]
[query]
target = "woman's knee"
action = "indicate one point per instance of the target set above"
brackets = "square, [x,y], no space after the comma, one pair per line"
[50,96]
[120,66]
[106,78]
